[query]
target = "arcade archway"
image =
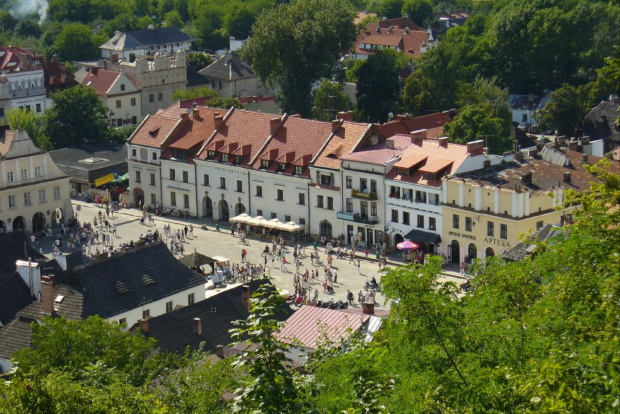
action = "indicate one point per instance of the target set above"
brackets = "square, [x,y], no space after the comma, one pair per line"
[38,222]
[138,197]
[489,252]
[19,224]
[455,252]
[239,209]
[325,227]
[223,210]
[398,238]
[207,207]
[472,252]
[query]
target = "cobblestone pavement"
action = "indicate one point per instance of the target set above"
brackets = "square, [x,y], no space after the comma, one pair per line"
[211,242]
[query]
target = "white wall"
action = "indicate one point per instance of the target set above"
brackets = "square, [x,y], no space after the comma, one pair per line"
[291,187]
[159,307]
[216,193]
[178,186]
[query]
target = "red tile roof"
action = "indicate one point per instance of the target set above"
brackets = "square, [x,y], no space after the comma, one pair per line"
[434,159]
[153,130]
[309,325]
[100,80]
[297,140]
[380,154]
[175,110]
[9,57]
[343,142]
[244,128]
[433,123]
[195,129]
[410,42]
[399,23]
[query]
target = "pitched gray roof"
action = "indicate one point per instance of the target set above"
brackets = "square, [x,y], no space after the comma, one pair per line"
[106,159]
[175,332]
[525,249]
[228,67]
[135,39]
[124,282]
[14,296]
[600,122]
[15,336]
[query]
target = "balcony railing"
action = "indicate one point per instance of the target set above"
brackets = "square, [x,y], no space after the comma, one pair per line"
[368,195]
[357,217]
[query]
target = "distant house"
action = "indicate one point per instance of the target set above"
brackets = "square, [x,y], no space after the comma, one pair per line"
[600,123]
[118,93]
[207,322]
[231,77]
[145,42]
[524,107]
[401,35]
[131,286]
[448,19]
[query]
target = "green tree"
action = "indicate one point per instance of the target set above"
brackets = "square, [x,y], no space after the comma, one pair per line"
[297,44]
[563,112]
[476,122]
[270,386]
[197,92]
[26,28]
[75,42]
[420,11]
[7,21]
[389,8]
[196,61]
[238,22]
[77,116]
[31,123]
[378,86]
[330,98]
[173,18]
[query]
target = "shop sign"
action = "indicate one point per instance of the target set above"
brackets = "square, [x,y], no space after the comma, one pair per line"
[497,242]
[105,179]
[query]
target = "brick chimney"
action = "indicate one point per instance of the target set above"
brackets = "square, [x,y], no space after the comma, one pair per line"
[196,113]
[219,351]
[198,326]
[336,124]
[274,124]
[475,147]
[368,308]
[345,116]
[567,176]
[572,145]
[585,140]
[218,120]
[144,325]
[47,294]
[418,137]
[94,70]
[245,296]
[443,142]
[526,178]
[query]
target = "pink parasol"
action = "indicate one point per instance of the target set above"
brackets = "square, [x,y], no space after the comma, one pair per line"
[407,245]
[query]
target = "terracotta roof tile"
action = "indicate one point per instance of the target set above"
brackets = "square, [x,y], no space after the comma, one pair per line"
[380,154]
[176,109]
[195,129]
[309,325]
[435,165]
[342,143]
[433,123]
[410,160]
[153,130]
[100,80]
[244,128]
[297,139]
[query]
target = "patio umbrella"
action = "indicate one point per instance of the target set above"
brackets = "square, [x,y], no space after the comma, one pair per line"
[241,218]
[274,224]
[407,245]
[292,226]
[257,221]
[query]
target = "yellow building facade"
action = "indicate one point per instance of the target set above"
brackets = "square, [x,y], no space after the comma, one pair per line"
[34,192]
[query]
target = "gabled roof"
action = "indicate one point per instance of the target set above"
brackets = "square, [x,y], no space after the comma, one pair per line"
[343,142]
[72,305]
[399,23]
[116,285]
[309,325]
[433,123]
[153,130]
[135,39]
[380,154]
[194,130]
[229,67]
[410,41]
[430,157]
[176,109]
[244,128]
[527,248]
[100,80]
[15,336]
[299,140]
[175,331]
[600,122]
[14,296]
[9,58]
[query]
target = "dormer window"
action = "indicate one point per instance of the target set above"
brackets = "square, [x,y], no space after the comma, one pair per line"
[403,171]
[238,159]
[210,154]
[282,167]
[264,164]
[299,170]
[224,157]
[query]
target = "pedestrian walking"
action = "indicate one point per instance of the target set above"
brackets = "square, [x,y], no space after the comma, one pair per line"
[462,268]
[114,229]
[359,271]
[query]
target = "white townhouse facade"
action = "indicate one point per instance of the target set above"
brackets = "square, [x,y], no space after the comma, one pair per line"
[178,184]
[325,201]
[223,190]
[281,196]
[27,90]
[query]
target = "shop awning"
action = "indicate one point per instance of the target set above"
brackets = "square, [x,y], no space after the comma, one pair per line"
[423,237]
